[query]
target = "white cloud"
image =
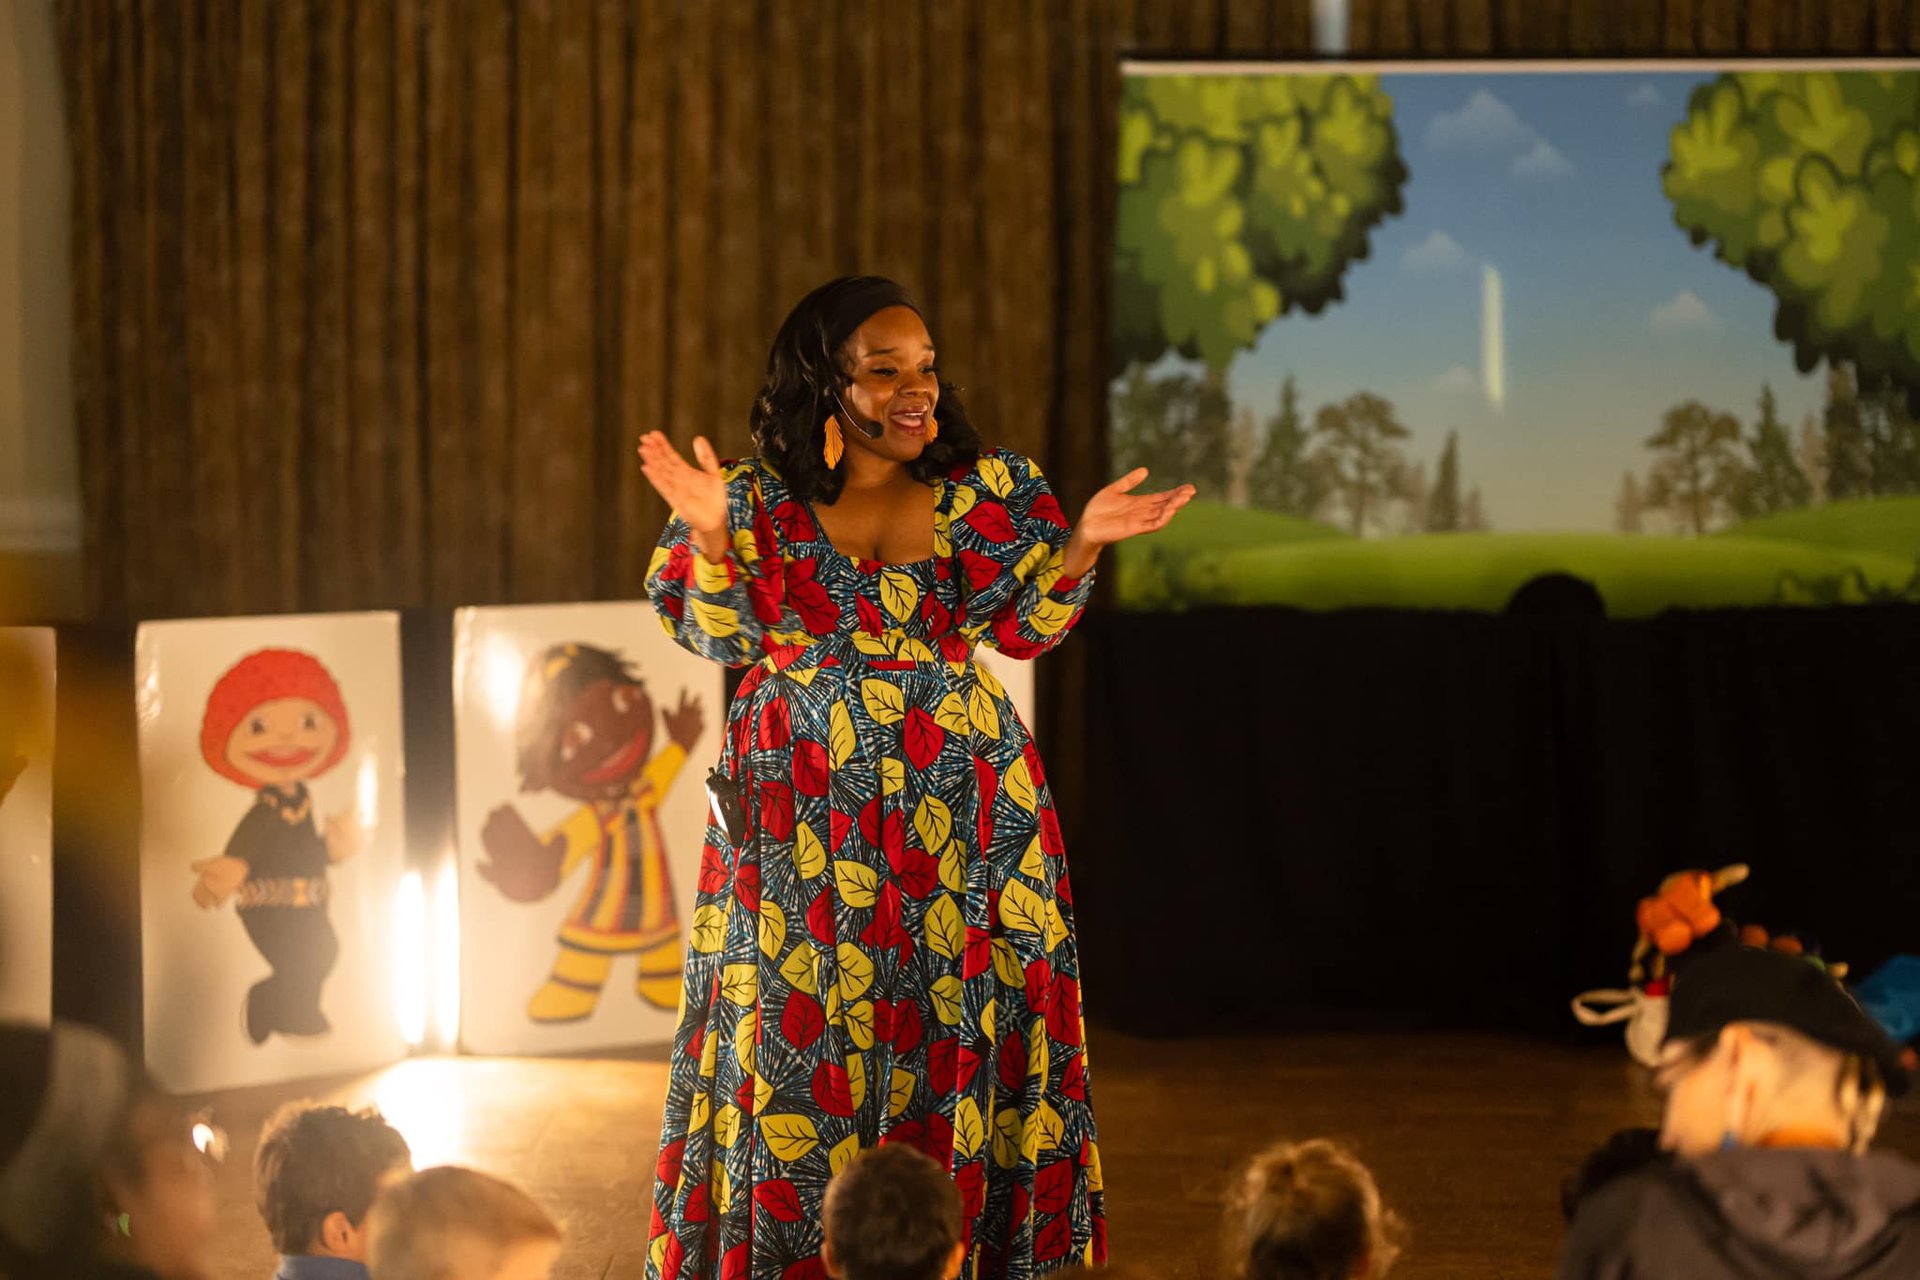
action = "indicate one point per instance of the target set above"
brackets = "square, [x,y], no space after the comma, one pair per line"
[1645,95]
[1683,312]
[1457,379]
[1542,161]
[1484,123]
[1438,252]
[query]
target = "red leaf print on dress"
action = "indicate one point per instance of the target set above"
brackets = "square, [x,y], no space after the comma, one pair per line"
[809,767]
[820,918]
[780,1200]
[1054,1239]
[978,957]
[670,1259]
[923,738]
[818,613]
[794,522]
[968,1068]
[1053,1186]
[980,570]
[746,886]
[831,1090]
[870,620]
[802,1022]
[767,590]
[1073,1079]
[918,872]
[738,1262]
[776,725]
[667,1168]
[942,1063]
[1047,507]
[884,929]
[935,615]
[990,521]
[1039,985]
[1013,1062]
[697,1210]
[907,1028]
[713,870]
[838,824]
[776,809]
[806,1269]
[1063,1011]
[971,1179]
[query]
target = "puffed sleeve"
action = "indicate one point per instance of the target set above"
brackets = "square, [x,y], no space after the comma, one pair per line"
[1010,539]
[722,609]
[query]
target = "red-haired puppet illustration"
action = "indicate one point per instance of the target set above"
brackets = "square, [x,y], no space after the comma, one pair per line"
[273,721]
[585,731]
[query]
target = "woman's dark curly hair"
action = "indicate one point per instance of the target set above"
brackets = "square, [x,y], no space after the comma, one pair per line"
[807,367]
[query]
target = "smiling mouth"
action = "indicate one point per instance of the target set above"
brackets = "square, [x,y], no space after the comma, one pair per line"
[619,763]
[910,420]
[282,758]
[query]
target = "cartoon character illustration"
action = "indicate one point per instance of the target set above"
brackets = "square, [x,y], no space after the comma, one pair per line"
[273,721]
[585,731]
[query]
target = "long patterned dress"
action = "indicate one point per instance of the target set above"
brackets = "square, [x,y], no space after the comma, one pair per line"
[889,956]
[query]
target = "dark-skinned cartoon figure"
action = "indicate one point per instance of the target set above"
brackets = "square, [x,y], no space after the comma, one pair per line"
[585,731]
[274,721]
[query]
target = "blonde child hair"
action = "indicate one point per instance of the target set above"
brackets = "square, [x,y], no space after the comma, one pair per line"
[450,1223]
[1308,1211]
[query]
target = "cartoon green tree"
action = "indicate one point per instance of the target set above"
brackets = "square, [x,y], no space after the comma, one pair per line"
[1242,198]
[1176,426]
[1284,478]
[1849,458]
[1699,472]
[1443,508]
[1808,182]
[1775,482]
[1359,454]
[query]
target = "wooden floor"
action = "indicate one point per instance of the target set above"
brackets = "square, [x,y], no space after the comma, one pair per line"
[1469,1136]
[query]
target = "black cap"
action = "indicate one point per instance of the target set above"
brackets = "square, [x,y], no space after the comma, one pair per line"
[1741,984]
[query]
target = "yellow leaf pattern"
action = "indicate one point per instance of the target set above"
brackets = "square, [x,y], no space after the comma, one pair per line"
[809,855]
[883,701]
[789,1136]
[709,931]
[858,883]
[946,935]
[1021,909]
[984,712]
[798,969]
[840,739]
[899,594]
[933,823]
[856,971]
[1019,786]
[773,928]
[947,993]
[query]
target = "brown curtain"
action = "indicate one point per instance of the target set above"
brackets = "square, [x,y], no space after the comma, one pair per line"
[374,295]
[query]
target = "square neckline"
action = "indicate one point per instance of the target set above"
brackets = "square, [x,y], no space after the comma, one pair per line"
[942,521]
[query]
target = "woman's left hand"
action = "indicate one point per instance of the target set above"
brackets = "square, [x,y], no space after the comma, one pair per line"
[1117,513]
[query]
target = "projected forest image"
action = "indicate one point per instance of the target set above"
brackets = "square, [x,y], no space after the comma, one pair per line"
[1419,338]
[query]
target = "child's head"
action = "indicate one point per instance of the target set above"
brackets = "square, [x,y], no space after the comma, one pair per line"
[585,725]
[450,1223]
[317,1172]
[893,1214]
[275,718]
[1308,1211]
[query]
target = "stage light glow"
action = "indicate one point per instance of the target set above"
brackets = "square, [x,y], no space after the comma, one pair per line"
[426,1100]
[446,955]
[366,791]
[410,958]
[502,668]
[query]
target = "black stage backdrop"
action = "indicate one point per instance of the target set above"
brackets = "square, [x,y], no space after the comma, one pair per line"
[1383,818]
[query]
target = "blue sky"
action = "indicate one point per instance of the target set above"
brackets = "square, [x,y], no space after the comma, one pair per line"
[1612,316]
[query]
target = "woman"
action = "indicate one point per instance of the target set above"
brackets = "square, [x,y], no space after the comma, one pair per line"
[1776,1082]
[883,949]
[1308,1211]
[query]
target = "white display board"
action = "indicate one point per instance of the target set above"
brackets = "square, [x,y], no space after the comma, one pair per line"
[272,846]
[583,738]
[26,823]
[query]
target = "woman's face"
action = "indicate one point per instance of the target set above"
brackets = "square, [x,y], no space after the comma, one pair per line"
[170,1207]
[283,741]
[895,383]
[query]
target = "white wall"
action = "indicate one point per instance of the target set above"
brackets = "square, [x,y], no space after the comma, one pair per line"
[39,475]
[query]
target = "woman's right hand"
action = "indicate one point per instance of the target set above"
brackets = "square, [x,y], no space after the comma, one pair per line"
[698,493]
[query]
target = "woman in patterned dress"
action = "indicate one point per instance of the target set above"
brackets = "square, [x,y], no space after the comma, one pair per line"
[887,952]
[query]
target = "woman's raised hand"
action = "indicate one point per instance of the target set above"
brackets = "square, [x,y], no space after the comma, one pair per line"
[698,493]
[1117,513]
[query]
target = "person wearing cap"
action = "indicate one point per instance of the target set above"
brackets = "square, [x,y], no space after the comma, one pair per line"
[101,1177]
[1776,1082]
